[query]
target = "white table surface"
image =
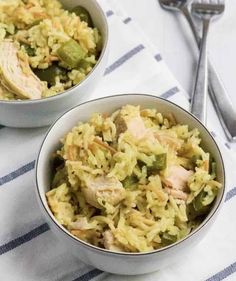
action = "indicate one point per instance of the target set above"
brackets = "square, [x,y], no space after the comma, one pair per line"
[171,34]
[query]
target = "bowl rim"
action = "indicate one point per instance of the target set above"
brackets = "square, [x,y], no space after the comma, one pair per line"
[70,90]
[129,254]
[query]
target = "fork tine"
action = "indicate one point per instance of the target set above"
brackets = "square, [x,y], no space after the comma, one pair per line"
[208,8]
[218,2]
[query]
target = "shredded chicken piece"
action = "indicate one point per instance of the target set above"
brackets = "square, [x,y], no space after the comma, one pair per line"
[135,126]
[3,90]
[80,224]
[107,189]
[53,58]
[87,235]
[27,86]
[177,178]
[109,242]
[171,142]
[178,194]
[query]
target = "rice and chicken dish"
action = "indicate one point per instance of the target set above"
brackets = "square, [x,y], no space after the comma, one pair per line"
[132,181]
[44,48]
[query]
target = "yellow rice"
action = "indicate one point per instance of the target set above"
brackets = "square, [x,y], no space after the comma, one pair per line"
[141,220]
[44,25]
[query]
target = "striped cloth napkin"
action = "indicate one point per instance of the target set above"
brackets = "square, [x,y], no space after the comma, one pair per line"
[30,251]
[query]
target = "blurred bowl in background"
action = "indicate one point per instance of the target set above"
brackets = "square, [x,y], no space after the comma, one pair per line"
[43,112]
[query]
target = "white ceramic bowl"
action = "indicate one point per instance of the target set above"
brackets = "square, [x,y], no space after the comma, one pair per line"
[43,112]
[122,263]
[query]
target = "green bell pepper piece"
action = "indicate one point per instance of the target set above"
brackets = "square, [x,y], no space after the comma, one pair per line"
[100,44]
[198,201]
[195,158]
[129,181]
[160,162]
[50,73]
[168,239]
[30,51]
[83,14]
[59,177]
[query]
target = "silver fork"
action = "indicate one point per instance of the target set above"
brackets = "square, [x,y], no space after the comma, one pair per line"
[205,10]
[220,99]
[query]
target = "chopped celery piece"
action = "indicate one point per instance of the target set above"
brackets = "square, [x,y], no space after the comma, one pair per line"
[84,64]
[71,53]
[83,14]
[98,40]
[213,169]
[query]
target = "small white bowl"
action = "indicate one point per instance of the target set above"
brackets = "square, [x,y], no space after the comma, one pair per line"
[123,263]
[43,112]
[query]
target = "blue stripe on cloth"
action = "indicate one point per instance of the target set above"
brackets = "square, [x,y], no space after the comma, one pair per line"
[227,145]
[230,194]
[44,227]
[158,57]
[223,273]
[109,13]
[22,170]
[89,275]
[170,93]
[23,239]
[127,20]
[124,58]
[1,127]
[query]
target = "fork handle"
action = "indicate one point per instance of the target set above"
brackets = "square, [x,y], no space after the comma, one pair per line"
[219,97]
[199,98]
[189,18]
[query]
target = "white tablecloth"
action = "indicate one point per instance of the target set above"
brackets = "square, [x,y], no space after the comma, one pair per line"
[172,35]
[28,248]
